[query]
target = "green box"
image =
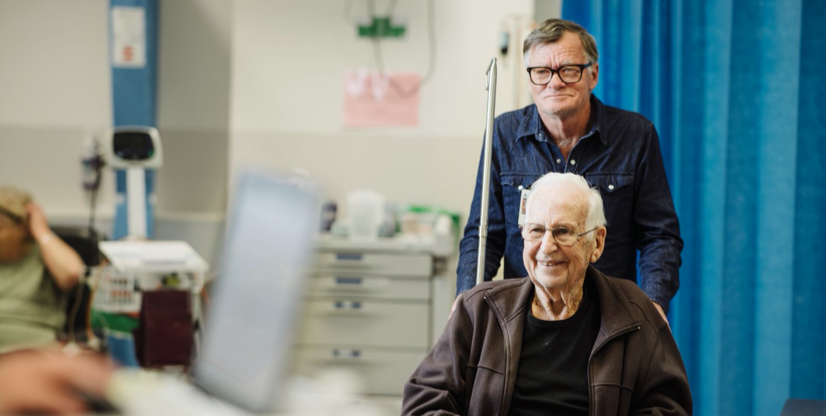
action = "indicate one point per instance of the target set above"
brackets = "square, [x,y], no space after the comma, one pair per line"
[381,27]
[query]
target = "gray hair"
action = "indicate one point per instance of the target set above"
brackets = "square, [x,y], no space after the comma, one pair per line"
[552,30]
[596,213]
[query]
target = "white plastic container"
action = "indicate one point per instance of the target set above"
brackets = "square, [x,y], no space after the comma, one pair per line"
[365,210]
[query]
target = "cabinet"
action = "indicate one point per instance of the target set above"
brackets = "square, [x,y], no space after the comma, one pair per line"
[369,309]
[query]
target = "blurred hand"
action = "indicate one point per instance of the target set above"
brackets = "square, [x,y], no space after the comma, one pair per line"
[47,382]
[662,313]
[38,224]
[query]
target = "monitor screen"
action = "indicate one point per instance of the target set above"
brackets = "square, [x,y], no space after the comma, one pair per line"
[258,295]
[133,145]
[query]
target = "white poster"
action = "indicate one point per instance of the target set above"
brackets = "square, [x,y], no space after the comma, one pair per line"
[128,37]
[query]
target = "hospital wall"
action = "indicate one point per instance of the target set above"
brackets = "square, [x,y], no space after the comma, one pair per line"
[55,92]
[287,95]
[253,83]
[288,66]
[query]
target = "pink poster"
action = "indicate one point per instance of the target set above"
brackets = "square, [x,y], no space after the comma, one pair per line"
[373,99]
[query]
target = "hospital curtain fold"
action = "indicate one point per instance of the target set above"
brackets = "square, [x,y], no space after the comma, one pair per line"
[736,89]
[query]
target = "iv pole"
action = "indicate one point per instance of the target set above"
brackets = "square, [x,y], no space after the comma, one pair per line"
[490,86]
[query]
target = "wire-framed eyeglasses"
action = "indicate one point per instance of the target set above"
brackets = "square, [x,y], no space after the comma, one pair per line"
[568,74]
[563,236]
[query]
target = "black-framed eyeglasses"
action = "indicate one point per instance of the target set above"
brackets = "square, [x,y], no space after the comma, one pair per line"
[568,74]
[563,236]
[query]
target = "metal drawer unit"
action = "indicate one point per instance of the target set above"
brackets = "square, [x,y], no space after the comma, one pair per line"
[383,371]
[368,310]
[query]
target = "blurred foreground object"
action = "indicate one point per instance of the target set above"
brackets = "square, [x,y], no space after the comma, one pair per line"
[47,382]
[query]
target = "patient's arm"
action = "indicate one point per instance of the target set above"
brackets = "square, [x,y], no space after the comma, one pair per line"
[437,387]
[64,264]
[664,388]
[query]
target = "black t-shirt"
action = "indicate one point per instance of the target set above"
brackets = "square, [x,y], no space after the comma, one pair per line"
[553,369]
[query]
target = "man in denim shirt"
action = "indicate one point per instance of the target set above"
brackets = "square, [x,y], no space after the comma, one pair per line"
[569,130]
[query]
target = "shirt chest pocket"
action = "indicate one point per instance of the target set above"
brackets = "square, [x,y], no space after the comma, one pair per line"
[617,191]
[512,186]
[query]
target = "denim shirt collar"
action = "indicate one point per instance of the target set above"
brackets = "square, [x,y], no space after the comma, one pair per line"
[532,125]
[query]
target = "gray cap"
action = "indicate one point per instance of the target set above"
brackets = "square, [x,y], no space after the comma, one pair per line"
[13,202]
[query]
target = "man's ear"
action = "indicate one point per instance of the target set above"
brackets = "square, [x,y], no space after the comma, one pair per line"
[594,75]
[599,244]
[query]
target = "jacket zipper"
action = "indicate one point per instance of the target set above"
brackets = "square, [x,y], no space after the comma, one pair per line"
[590,377]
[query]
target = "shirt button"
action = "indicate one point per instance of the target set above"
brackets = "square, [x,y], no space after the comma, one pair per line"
[520,187]
[611,187]
[559,161]
[573,162]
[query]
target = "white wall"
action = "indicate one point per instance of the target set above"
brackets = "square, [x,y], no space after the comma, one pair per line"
[252,82]
[53,71]
[193,105]
[55,81]
[55,92]
[288,65]
[546,9]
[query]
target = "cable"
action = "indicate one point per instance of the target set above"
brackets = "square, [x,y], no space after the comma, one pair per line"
[76,305]
[97,165]
[431,33]
[93,235]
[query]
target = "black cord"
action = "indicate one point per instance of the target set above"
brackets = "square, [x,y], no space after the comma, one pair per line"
[93,235]
[431,34]
[97,165]
[76,305]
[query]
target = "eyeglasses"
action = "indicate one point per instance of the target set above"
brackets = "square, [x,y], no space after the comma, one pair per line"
[568,74]
[563,236]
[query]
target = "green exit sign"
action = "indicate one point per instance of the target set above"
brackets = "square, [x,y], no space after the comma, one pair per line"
[381,27]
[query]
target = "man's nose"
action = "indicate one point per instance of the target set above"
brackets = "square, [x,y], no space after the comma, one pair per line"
[548,245]
[556,81]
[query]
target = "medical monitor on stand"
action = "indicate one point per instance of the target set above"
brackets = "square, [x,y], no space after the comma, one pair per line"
[134,152]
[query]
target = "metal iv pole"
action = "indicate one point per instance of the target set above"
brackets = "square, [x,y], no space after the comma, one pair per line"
[490,86]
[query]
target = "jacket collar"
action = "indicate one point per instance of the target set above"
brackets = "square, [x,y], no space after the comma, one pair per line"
[532,124]
[614,307]
[510,302]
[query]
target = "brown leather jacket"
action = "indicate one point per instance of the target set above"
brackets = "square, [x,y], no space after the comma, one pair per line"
[635,366]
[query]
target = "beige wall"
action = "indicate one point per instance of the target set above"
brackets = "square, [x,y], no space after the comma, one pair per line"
[56,93]
[193,105]
[288,65]
[253,83]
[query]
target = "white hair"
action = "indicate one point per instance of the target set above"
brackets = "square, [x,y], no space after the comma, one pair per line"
[596,213]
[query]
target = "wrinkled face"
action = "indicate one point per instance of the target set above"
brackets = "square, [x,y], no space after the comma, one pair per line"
[557,99]
[13,240]
[550,265]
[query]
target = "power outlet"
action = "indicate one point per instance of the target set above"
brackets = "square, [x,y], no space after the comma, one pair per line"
[382,27]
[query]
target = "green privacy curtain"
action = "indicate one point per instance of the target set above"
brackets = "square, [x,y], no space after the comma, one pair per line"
[737,90]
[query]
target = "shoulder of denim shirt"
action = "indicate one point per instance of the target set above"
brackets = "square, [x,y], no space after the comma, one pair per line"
[516,124]
[614,119]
